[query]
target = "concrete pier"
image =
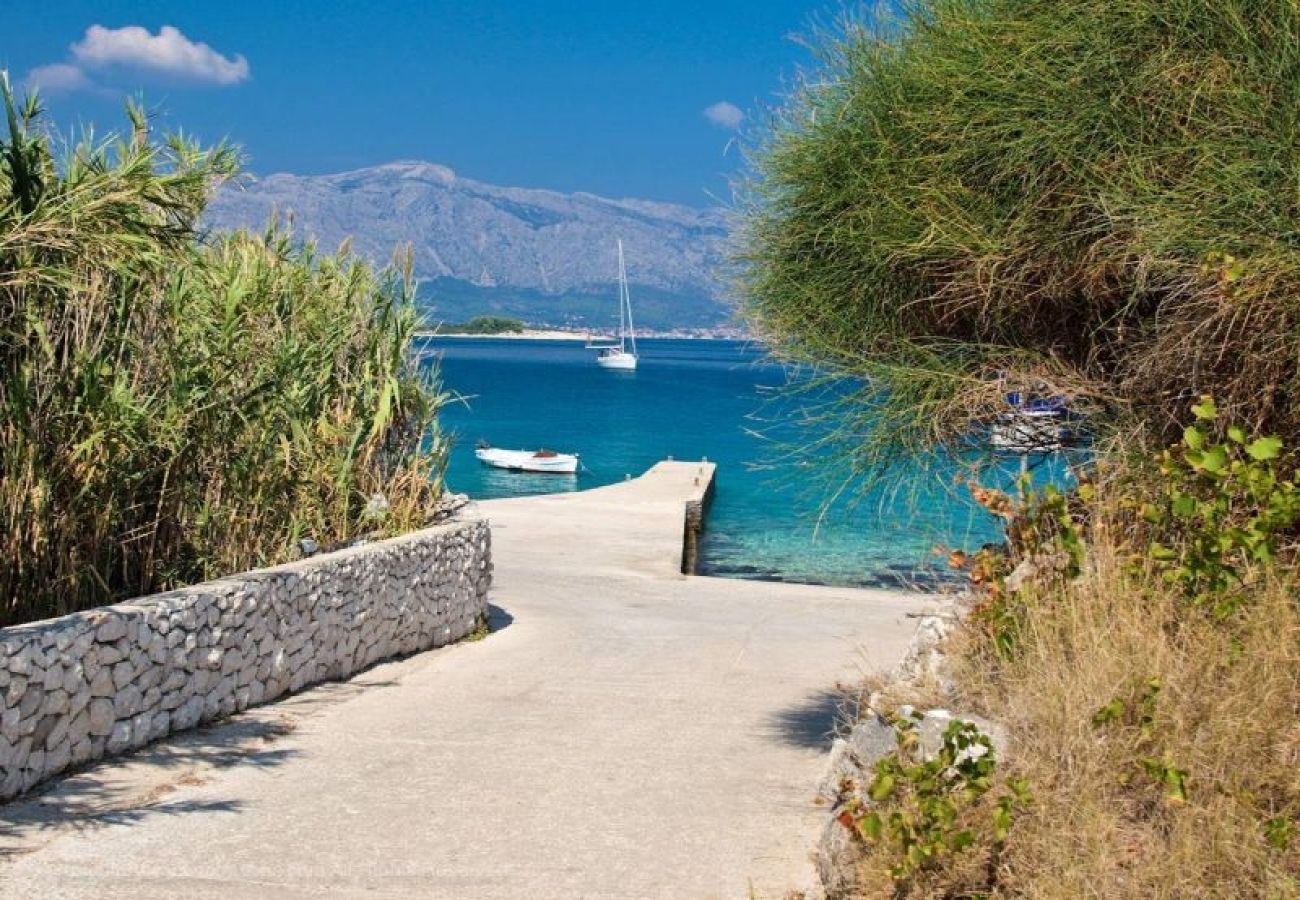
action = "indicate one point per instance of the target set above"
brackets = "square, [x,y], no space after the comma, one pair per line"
[626,731]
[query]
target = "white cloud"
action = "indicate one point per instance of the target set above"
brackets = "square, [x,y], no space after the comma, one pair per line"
[724,115]
[168,51]
[57,78]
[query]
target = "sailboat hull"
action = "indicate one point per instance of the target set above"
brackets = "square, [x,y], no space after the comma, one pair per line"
[624,361]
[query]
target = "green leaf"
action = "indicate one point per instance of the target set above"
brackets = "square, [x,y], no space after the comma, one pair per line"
[1108,713]
[1264,448]
[870,827]
[1236,434]
[882,787]
[960,841]
[1215,459]
[1205,410]
[1193,437]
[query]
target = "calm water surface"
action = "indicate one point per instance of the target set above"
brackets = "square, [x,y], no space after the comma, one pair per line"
[688,400]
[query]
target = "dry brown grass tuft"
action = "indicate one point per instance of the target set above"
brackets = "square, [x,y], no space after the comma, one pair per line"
[1226,711]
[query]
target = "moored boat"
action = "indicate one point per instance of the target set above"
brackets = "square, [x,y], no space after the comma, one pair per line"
[542,461]
[618,355]
[1034,425]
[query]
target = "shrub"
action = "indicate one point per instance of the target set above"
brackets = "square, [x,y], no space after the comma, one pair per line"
[175,407]
[1092,198]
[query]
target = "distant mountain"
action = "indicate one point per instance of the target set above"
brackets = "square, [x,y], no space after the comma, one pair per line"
[543,256]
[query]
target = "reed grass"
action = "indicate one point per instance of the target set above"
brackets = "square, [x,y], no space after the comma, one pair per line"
[176,405]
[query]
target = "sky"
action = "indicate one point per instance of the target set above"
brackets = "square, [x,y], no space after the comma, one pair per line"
[643,99]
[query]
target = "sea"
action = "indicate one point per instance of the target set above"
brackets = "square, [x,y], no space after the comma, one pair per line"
[777,514]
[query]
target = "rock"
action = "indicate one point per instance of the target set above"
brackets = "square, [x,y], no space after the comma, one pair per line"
[119,738]
[31,701]
[123,672]
[20,660]
[112,629]
[56,702]
[58,732]
[127,701]
[57,758]
[101,717]
[79,727]
[102,684]
[838,855]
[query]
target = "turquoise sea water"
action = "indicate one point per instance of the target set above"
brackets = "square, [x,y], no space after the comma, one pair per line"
[688,400]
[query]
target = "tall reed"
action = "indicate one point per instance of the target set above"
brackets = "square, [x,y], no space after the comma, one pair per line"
[175,405]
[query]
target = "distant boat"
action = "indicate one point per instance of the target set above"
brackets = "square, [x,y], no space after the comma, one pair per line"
[1034,425]
[618,356]
[543,461]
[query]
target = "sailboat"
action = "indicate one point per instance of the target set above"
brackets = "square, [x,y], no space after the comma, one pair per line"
[617,355]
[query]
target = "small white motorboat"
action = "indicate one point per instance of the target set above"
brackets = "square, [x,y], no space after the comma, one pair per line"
[544,461]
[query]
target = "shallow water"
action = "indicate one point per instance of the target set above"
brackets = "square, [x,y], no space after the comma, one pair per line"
[689,400]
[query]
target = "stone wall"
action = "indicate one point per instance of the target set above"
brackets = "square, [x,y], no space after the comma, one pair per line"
[697,510]
[99,682]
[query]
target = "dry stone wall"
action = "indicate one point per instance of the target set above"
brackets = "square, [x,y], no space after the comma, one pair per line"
[100,682]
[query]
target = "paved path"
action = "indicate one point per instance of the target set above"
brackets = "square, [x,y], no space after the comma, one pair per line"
[626,732]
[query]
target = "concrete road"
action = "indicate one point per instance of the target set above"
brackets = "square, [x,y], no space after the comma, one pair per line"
[624,732]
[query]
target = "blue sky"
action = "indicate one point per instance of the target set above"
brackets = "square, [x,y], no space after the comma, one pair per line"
[596,96]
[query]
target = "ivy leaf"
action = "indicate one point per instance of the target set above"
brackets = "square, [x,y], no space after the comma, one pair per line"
[1264,448]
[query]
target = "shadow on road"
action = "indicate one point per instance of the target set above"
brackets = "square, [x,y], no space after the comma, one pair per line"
[128,789]
[814,720]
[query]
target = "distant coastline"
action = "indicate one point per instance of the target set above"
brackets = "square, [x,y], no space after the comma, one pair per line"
[543,334]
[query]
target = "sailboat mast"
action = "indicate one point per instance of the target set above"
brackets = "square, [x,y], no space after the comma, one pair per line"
[627,297]
[622,287]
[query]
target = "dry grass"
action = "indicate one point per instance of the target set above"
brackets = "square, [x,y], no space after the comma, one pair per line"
[1227,711]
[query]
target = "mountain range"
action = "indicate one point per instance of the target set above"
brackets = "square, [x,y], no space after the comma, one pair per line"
[546,257]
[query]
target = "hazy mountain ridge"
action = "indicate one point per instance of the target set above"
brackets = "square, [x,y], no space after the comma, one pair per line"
[522,242]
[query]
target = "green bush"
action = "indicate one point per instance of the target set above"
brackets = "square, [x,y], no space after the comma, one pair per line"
[175,406]
[1093,198]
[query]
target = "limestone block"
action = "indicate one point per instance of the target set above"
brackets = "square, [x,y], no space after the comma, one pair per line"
[82,751]
[57,758]
[79,727]
[102,684]
[119,738]
[74,678]
[9,721]
[123,673]
[113,628]
[127,701]
[101,717]
[58,732]
[56,702]
[32,700]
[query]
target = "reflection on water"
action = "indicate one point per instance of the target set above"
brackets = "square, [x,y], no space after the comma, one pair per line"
[501,483]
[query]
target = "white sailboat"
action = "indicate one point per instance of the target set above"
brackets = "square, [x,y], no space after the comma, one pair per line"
[618,356]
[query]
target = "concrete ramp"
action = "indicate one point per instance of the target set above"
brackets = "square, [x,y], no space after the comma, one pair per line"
[625,732]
